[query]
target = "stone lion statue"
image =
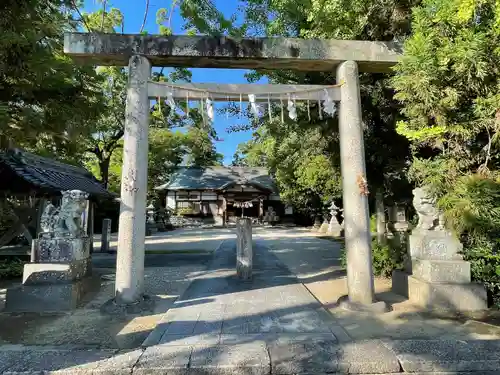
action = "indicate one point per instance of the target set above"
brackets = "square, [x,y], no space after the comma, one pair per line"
[429,216]
[67,219]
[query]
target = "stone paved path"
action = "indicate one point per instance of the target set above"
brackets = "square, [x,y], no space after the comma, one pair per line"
[219,308]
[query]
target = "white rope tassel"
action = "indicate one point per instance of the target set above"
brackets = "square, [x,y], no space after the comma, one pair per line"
[253,105]
[269,108]
[328,103]
[210,109]
[308,110]
[187,103]
[292,111]
[320,110]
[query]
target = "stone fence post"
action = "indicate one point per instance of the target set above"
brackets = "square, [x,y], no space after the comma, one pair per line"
[105,235]
[244,250]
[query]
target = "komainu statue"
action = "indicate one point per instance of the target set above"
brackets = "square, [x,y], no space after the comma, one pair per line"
[66,219]
[429,216]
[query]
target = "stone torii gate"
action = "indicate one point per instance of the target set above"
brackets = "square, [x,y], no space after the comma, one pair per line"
[141,52]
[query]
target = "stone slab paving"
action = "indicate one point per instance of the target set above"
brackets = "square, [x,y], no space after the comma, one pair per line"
[269,325]
[262,356]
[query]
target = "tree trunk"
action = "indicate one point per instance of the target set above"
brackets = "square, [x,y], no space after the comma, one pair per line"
[104,171]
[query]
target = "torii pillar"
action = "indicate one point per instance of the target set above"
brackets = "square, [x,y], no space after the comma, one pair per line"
[129,284]
[360,283]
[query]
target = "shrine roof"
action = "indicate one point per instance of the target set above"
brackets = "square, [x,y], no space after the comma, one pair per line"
[21,171]
[219,178]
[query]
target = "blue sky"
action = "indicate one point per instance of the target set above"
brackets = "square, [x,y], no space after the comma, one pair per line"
[133,11]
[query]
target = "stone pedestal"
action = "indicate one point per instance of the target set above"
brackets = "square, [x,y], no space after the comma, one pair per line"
[244,250]
[437,277]
[334,228]
[324,227]
[57,279]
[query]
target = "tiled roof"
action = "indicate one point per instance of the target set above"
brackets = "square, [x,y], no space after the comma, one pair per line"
[218,178]
[50,175]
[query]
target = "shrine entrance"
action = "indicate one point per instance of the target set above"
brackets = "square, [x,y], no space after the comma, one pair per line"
[141,52]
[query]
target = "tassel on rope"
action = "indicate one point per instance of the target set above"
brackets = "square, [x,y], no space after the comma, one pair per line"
[308,111]
[269,107]
[292,110]
[187,103]
[328,103]
[210,109]
[253,105]
[319,107]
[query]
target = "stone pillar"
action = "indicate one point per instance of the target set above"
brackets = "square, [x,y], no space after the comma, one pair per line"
[380,215]
[105,235]
[354,188]
[244,251]
[131,230]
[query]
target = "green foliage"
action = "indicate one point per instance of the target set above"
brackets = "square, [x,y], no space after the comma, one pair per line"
[46,101]
[385,257]
[308,172]
[11,268]
[448,81]
[373,223]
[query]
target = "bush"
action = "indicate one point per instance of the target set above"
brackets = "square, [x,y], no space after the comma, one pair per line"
[385,257]
[373,224]
[11,268]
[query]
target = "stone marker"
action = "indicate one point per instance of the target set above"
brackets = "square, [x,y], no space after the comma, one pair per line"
[58,274]
[436,275]
[105,235]
[244,251]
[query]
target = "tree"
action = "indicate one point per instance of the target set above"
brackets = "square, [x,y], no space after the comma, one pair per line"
[448,83]
[108,128]
[387,152]
[46,101]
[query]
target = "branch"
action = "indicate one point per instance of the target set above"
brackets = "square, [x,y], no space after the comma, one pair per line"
[81,16]
[145,17]
[103,14]
[111,144]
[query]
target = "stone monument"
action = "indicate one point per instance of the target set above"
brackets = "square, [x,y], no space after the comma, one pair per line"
[398,226]
[244,249]
[334,227]
[58,274]
[436,275]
